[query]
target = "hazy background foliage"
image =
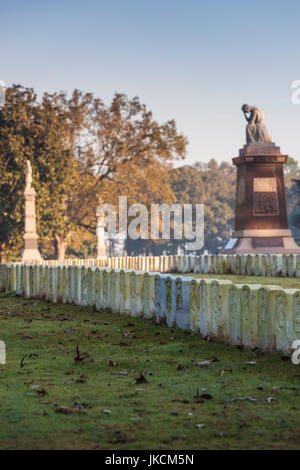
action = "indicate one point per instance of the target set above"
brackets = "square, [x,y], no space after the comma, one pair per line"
[84,152]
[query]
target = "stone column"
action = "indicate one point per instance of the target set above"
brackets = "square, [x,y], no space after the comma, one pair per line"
[31,252]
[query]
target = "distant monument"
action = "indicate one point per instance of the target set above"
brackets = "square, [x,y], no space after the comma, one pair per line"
[261,224]
[100,230]
[31,252]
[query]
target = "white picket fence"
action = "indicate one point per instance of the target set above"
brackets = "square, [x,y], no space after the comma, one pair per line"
[250,265]
[266,317]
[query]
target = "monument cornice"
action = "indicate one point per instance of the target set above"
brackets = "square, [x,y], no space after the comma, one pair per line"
[267,159]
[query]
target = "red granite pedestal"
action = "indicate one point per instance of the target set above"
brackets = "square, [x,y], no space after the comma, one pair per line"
[261,224]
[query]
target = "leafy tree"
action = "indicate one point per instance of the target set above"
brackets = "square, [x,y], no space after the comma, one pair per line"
[80,151]
[126,152]
[214,186]
[39,132]
[16,119]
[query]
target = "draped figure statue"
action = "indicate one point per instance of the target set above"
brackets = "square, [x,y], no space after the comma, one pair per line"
[256,131]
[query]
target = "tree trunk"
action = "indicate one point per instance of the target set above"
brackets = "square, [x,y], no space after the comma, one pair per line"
[61,245]
[2,252]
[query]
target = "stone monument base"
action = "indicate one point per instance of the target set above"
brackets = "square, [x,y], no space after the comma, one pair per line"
[261,225]
[275,242]
[31,252]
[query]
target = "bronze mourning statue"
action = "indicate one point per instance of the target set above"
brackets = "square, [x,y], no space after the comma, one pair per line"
[256,131]
[261,223]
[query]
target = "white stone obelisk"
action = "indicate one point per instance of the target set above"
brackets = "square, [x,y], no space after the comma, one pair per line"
[31,252]
[101,247]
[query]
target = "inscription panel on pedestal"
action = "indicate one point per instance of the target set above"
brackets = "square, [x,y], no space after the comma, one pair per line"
[266,242]
[265,197]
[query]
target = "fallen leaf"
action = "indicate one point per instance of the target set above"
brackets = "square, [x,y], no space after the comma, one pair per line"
[66,410]
[113,364]
[82,379]
[84,357]
[78,357]
[206,396]
[141,380]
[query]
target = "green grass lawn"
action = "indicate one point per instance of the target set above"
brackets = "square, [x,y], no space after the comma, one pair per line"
[53,398]
[286,282]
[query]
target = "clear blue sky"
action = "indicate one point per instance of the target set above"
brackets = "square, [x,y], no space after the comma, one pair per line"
[196,61]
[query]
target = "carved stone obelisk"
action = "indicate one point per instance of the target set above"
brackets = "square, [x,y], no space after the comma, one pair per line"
[261,223]
[31,252]
[101,247]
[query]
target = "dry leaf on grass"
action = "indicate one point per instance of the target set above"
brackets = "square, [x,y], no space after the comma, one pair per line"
[66,410]
[141,380]
[113,364]
[83,357]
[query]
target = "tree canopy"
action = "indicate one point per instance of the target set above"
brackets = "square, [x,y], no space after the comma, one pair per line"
[84,152]
[81,152]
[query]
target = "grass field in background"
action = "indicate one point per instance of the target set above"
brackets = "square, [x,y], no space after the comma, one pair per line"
[285,282]
[132,384]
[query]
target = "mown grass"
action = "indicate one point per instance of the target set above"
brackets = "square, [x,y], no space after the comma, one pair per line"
[285,282]
[242,400]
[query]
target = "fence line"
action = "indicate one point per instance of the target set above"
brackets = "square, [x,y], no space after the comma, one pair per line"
[250,265]
[267,317]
